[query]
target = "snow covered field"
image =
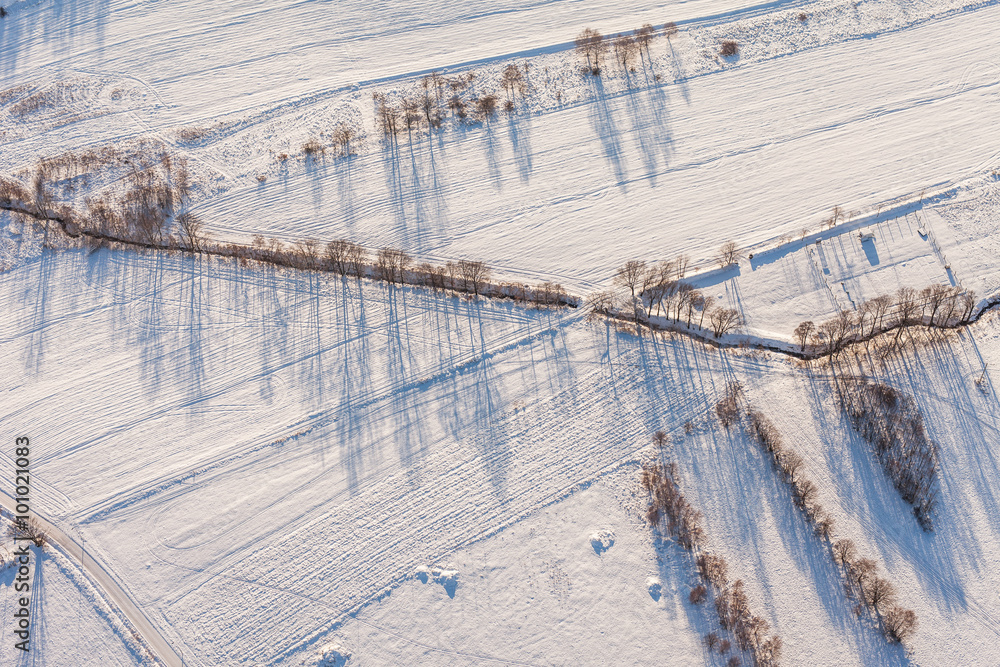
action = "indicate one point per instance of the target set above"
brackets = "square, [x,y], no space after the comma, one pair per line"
[302,447]
[76,622]
[277,466]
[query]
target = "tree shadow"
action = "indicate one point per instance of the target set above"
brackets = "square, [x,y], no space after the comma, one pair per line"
[606,128]
[519,132]
[36,292]
[490,150]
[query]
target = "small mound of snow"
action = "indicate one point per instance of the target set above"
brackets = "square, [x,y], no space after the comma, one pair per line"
[446,577]
[654,587]
[333,655]
[602,540]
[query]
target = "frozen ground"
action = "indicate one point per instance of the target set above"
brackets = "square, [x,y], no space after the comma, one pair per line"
[291,449]
[947,240]
[282,466]
[842,109]
[72,622]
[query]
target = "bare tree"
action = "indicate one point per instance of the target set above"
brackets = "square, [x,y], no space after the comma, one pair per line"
[694,301]
[643,36]
[387,116]
[861,570]
[803,332]
[906,308]
[511,79]
[880,305]
[411,115]
[191,230]
[713,569]
[844,551]
[900,623]
[968,303]
[837,331]
[790,463]
[474,274]
[20,529]
[681,265]
[625,49]
[343,135]
[307,253]
[669,30]
[357,257]
[486,107]
[338,255]
[457,107]
[935,297]
[631,274]
[385,264]
[824,525]
[805,492]
[591,44]
[601,303]
[705,308]
[729,254]
[879,593]
[724,320]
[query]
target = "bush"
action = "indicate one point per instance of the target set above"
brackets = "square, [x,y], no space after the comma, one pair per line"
[728,409]
[698,594]
[729,49]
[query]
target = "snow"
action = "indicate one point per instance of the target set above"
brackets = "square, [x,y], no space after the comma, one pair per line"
[71,621]
[294,469]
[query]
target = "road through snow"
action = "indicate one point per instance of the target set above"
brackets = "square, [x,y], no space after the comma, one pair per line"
[100,577]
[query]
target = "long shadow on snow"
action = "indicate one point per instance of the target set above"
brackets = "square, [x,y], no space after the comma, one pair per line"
[519,132]
[606,128]
[928,553]
[867,493]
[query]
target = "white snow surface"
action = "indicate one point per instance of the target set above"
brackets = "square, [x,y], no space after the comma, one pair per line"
[294,469]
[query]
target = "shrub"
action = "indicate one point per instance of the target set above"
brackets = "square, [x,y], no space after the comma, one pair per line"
[711,640]
[698,594]
[313,147]
[486,106]
[729,48]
